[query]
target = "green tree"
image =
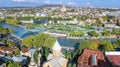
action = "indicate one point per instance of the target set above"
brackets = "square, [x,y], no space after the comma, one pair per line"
[93,33]
[93,45]
[28,41]
[17,51]
[30,26]
[74,65]
[14,64]
[5,31]
[9,43]
[106,33]
[69,65]
[115,31]
[11,30]
[107,46]
[12,21]
[49,42]
[118,23]
[84,44]
[36,56]
[76,33]
[118,43]
[41,40]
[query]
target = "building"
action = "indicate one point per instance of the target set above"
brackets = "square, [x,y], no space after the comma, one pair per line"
[9,51]
[27,22]
[56,59]
[111,26]
[75,22]
[92,58]
[2,64]
[114,58]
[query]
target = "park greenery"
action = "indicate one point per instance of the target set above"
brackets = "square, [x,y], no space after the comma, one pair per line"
[2,20]
[41,40]
[30,26]
[6,31]
[118,43]
[106,33]
[12,21]
[36,55]
[9,43]
[93,33]
[17,51]
[115,31]
[103,45]
[14,64]
[76,34]
[118,23]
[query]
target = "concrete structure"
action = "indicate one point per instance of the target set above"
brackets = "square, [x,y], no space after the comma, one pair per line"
[56,59]
[27,22]
[56,34]
[32,62]
[113,53]
[67,22]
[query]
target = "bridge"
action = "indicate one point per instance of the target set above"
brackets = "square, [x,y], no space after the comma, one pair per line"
[29,30]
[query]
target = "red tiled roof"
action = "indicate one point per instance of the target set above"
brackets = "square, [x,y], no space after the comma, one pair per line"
[24,49]
[115,59]
[98,53]
[84,59]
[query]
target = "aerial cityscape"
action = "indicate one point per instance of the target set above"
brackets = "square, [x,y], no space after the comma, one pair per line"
[64,33]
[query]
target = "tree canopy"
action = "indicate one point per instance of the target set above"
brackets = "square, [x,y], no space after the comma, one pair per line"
[14,64]
[41,40]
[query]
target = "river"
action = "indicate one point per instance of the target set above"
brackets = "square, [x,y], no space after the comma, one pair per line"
[21,32]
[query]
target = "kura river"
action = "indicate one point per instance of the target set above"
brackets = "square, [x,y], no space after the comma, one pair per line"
[22,32]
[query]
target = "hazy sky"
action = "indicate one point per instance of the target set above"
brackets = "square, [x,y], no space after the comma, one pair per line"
[90,3]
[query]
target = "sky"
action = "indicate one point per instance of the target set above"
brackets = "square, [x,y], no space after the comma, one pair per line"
[80,3]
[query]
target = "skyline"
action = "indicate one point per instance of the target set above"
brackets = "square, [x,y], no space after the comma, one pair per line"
[80,3]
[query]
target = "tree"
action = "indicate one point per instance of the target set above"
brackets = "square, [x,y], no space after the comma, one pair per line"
[41,40]
[28,41]
[12,21]
[115,31]
[5,31]
[69,65]
[30,26]
[14,64]
[36,56]
[11,30]
[107,46]
[76,34]
[84,44]
[118,43]
[49,42]
[9,43]
[17,51]
[106,33]
[118,23]
[2,20]
[74,65]
[94,44]
[93,33]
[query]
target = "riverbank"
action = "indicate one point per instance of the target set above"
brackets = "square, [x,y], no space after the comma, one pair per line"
[16,36]
[112,36]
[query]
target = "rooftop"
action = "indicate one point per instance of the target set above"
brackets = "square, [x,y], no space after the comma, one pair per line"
[86,58]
